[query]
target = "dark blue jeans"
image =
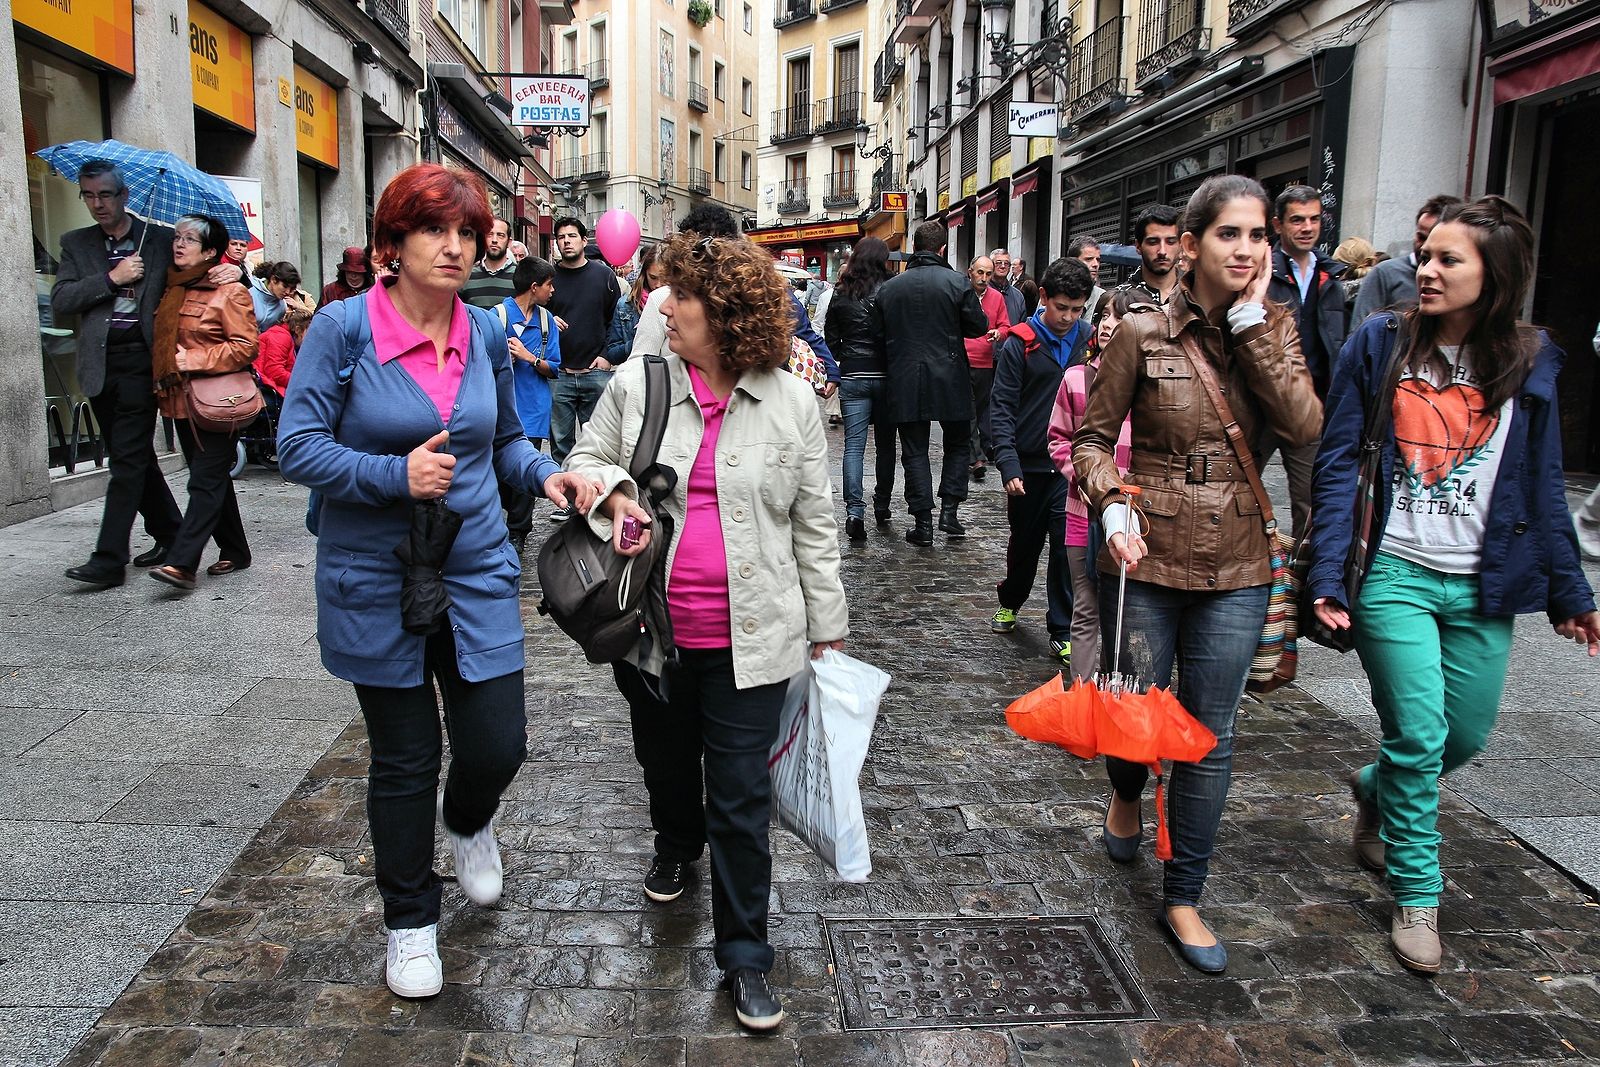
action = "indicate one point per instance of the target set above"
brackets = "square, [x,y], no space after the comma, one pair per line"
[488,742]
[1212,637]
[572,400]
[862,405]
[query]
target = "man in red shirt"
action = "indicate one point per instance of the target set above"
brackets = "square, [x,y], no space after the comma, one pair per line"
[980,357]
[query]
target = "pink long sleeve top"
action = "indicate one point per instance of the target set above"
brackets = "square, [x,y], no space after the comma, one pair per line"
[1071,400]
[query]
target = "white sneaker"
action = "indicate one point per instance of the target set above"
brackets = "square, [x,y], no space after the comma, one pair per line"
[413,968]
[1588,538]
[478,868]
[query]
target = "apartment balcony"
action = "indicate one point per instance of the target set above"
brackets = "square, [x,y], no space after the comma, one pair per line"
[794,197]
[791,123]
[1249,19]
[909,27]
[829,6]
[598,73]
[1173,39]
[839,190]
[790,12]
[394,16]
[596,166]
[886,70]
[836,113]
[1097,89]
[699,99]
[699,182]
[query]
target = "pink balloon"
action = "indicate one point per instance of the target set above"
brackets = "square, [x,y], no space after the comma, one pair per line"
[617,234]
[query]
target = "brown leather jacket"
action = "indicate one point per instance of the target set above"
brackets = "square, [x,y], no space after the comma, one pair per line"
[216,334]
[1205,524]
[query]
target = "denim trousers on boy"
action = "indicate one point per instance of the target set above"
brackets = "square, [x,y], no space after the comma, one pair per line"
[861,400]
[572,400]
[488,742]
[1437,669]
[1212,637]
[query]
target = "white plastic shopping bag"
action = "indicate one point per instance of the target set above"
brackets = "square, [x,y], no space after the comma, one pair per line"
[816,762]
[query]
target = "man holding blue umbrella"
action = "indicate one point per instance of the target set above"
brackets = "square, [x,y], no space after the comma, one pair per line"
[104,281]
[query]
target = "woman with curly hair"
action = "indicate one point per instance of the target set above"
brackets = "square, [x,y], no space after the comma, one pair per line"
[752,582]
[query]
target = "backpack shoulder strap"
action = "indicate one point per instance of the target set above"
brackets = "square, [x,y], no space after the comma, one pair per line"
[357,332]
[1024,330]
[505,320]
[494,341]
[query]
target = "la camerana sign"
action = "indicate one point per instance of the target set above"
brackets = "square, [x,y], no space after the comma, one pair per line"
[1029,119]
[549,100]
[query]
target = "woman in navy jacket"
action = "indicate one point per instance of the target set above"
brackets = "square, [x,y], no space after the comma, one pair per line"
[1470,528]
[399,395]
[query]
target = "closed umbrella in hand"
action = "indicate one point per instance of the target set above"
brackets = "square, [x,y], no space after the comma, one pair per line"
[423,596]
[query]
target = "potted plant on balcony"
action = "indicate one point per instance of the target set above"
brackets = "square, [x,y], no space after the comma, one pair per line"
[699,12]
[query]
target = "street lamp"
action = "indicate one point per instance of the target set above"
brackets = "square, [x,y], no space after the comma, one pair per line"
[884,152]
[1053,51]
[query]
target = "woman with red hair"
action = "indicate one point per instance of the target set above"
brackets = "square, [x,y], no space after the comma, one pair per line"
[400,395]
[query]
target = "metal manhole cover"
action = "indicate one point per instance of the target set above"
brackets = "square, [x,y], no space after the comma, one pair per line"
[911,973]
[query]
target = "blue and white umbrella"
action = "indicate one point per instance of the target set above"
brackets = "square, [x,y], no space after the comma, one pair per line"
[160,185]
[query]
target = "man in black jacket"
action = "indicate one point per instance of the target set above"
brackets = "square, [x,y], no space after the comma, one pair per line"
[1028,367]
[1307,283]
[585,300]
[105,281]
[920,319]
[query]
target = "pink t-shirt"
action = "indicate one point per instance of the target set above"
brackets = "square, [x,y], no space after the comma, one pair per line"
[395,338]
[697,595]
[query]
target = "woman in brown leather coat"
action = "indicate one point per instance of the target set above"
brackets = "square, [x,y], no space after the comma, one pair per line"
[1197,555]
[201,328]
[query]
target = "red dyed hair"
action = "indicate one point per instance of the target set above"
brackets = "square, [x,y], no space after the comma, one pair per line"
[427,194]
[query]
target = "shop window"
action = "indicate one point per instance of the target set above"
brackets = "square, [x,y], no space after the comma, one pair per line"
[60,102]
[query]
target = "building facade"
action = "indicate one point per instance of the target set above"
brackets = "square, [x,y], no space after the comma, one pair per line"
[673,111]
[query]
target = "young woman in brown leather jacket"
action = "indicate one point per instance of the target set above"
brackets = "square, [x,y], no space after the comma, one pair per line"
[1197,554]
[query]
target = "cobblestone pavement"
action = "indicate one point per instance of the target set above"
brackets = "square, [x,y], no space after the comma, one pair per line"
[281,961]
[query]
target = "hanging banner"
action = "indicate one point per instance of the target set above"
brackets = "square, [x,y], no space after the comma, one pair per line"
[221,68]
[549,100]
[316,118]
[100,30]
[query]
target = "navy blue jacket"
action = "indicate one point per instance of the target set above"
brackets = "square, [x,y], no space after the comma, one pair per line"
[1026,381]
[1321,317]
[1530,552]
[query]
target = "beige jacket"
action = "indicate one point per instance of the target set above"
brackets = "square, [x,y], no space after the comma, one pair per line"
[774,496]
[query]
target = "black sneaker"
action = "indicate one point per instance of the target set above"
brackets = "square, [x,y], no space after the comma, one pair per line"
[666,880]
[753,1002]
[560,515]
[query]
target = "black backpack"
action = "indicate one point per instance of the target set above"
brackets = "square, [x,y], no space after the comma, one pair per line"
[606,602]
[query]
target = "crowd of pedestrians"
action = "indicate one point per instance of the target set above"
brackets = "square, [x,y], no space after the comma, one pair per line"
[1126,422]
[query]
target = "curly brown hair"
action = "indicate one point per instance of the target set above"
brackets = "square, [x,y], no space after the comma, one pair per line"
[746,301]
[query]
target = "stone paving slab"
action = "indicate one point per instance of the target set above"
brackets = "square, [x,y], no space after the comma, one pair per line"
[280,961]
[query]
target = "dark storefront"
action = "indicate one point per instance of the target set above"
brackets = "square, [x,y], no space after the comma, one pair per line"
[1283,129]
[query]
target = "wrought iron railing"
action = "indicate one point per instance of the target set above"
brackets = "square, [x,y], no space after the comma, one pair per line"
[1171,33]
[836,113]
[887,177]
[886,70]
[794,197]
[699,99]
[594,166]
[394,16]
[1248,18]
[1097,66]
[839,189]
[791,123]
[598,73]
[790,12]
[699,181]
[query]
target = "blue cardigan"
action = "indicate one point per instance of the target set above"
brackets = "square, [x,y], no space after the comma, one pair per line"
[350,442]
[1530,552]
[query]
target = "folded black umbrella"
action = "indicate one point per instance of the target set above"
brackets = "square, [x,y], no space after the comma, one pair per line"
[423,596]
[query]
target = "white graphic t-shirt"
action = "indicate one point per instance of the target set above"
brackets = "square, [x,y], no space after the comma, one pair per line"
[1449,454]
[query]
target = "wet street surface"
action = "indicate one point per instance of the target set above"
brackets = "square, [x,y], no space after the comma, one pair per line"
[280,960]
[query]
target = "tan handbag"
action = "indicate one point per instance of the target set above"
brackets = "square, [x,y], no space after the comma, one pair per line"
[223,403]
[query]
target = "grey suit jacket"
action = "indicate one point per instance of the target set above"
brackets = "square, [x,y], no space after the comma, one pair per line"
[82,289]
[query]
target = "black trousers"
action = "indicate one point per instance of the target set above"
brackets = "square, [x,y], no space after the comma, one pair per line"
[213,508]
[1038,520]
[487,725]
[711,739]
[125,408]
[519,505]
[953,473]
[982,435]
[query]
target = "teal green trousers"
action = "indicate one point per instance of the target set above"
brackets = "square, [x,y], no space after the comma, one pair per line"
[1437,669]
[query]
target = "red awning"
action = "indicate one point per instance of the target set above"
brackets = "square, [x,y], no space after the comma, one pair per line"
[1021,187]
[1549,72]
[989,203]
[956,219]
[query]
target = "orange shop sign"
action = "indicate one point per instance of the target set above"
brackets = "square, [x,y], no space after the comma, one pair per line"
[100,30]
[316,118]
[819,232]
[222,68]
[892,201]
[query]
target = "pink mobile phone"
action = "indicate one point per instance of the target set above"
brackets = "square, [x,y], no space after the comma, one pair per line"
[632,530]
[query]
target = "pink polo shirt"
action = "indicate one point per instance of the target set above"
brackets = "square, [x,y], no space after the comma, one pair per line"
[697,594]
[395,338]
